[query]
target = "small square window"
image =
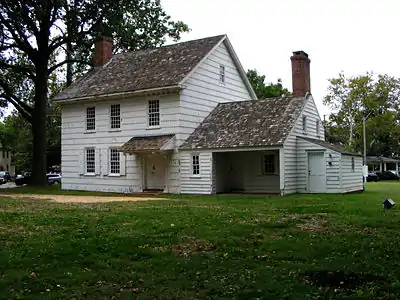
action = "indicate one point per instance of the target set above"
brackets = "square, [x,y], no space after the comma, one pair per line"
[196,165]
[115,116]
[90,118]
[269,164]
[222,73]
[154,113]
[317,127]
[353,167]
[304,124]
[90,160]
[114,161]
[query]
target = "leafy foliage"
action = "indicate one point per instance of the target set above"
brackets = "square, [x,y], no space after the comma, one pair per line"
[264,90]
[375,97]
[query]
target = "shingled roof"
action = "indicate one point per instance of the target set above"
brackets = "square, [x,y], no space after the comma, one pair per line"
[254,123]
[141,70]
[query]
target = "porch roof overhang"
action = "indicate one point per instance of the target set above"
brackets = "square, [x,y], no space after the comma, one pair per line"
[381,159]
[143,144]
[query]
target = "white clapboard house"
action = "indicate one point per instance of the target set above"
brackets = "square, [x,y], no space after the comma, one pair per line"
[184,118]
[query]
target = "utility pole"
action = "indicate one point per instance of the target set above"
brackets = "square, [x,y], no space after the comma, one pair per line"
[365,142]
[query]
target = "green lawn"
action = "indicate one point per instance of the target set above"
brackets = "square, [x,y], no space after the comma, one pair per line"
[295,247]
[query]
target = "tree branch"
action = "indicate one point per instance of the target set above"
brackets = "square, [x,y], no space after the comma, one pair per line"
[10,95]
[53,68]
[19,69]
[27,116]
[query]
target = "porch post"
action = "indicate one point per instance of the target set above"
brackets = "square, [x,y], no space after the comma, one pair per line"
[282,171]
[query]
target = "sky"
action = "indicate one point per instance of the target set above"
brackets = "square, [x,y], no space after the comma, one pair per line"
[349,36]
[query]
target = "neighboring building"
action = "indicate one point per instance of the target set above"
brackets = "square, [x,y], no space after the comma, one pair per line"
[381,163]
[184,119]
[5,161]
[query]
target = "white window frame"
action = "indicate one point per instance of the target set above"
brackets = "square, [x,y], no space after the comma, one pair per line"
[153,114]
[222,73]
[318,127]
[273,164]
[92,118]
[195,162]
[114,163]
[304,124]
[94,160]
[115,118]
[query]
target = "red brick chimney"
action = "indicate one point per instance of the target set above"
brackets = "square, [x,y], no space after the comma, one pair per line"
[103,48]
[300,73]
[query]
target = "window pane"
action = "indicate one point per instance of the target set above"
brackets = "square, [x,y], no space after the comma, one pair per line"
[196,165]
[222,73]
[90,160]
[90,118]
[154,113]
[114,161]
[115,116]
[269,164]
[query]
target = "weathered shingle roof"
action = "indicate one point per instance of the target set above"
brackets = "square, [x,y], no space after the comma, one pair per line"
[146,143]
[379,159]
[252,123]
[330,146]
[144,69]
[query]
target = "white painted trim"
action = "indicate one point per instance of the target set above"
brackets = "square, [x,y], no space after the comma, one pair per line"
[282,170]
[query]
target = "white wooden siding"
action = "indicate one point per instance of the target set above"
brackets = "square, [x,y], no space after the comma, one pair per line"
[203,91]
[196,184]
[352,180]
[133,123]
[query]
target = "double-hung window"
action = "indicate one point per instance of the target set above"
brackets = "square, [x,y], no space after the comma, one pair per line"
[114,161]
[90,118]
[154,113]
[195,164]
[269,164]
[90,165]
[115,116]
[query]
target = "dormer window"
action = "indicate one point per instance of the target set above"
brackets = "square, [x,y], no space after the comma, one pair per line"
[304,124]
[222,73]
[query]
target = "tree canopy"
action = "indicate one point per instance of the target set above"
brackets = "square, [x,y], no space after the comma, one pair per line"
[370,96]
[265,90]
[39,38]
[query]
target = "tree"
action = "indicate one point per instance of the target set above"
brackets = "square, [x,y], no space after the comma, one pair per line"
[35,33]
[374,97]
[264,90]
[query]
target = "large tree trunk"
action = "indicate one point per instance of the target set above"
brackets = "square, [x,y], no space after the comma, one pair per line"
[39,126]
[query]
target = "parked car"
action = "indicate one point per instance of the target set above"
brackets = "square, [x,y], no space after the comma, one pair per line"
[2,180]
[53,178]
[5,175]
[372,177]
[387,175]
[22,179]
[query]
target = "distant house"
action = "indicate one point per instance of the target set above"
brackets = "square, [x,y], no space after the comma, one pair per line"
[381,163]
[5,161]
[184,118]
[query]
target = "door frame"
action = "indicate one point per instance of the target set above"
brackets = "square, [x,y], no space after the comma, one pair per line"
[165,158]
[307,168]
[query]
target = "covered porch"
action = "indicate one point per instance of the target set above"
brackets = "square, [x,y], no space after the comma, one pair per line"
[252,171]
[153,156]
[381,164]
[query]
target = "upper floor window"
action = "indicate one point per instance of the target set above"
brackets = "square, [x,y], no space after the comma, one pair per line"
[196,164]
[304,124]
[154,113]
[222,73]
[317,127]
[114,161]
[115,116]
[90,160]
[269,164]
[353,167]
[90,118]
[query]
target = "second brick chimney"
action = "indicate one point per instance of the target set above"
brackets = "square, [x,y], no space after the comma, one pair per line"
[103,48]
[300,73]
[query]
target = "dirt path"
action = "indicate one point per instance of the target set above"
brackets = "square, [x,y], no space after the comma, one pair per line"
[79,199]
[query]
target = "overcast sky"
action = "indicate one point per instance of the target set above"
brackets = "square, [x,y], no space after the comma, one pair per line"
[353,36]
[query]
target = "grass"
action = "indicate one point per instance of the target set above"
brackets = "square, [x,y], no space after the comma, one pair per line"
[295,247]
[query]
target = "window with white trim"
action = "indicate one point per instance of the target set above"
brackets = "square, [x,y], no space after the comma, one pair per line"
[304,124]
[90,118]
[90,161]
[317,127]
[353,167]
[196,164]
[269,164]
[222,73]
[154,113]
[115,116]
[114,161]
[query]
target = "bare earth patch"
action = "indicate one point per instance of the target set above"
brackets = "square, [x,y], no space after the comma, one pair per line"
[188,248]
[79,199]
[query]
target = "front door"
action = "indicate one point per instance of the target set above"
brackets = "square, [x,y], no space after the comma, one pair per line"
[316,172]
[155,172]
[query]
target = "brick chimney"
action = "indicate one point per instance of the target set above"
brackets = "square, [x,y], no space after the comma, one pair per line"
[103,48]
[300,73]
